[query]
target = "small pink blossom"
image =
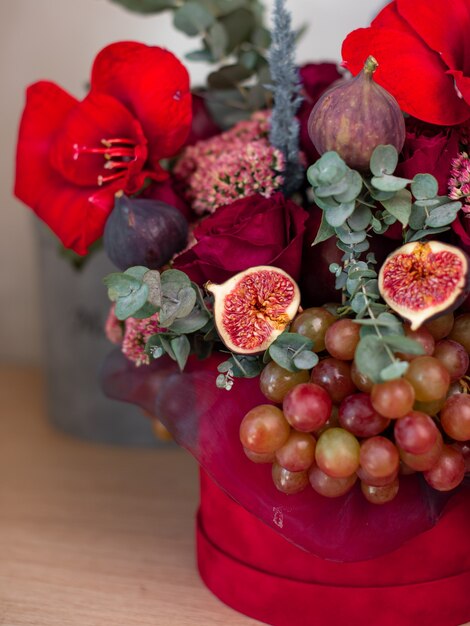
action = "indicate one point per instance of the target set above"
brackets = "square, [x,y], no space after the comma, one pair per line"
[459,182]
[114,328]
[136,334]
[235,164]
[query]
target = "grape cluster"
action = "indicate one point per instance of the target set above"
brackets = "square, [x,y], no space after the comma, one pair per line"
[337,427]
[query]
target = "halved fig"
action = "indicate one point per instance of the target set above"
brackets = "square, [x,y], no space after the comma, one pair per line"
[254,307]
[422,280]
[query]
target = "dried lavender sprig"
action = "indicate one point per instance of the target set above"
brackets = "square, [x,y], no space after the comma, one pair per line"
[286,87]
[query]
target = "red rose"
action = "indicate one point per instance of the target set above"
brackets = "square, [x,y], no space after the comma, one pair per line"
[315,79]
[422,50]
[429,150]
[250,231]
[72,156]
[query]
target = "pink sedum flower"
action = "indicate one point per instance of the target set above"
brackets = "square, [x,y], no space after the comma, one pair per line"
[137,333]
[114,328]
[235,164]
[459,182]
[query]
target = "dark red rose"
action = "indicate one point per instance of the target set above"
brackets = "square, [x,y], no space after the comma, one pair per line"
[315,78]
[429,150]
[251,231]
[203,125]
[422,50]
[72,157]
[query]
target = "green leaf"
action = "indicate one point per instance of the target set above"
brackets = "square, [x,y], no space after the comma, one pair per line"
[421,234]
[417,217]
[146,311]
[228,76]
[261,37]
[245,366]
[443,215]
[126,306]
[200,55]
[389,183]
[138,271]
[354,188]
[424,187]
[147,6]
[153,347]
[371,357]
[305,360]
[328,202]
[239,25]
[187,301]
[174,276]
[249,59]
[336,188]
[217,40]
[193,322]
[359,304]
[394,370]
[399,343]
[349,237]
[400,206]
[120,285]
[286,347]
[324,232]
[384,160]
[181,349]
[192,18]
[330,168]
[361,218]
[152,280]
[337,216]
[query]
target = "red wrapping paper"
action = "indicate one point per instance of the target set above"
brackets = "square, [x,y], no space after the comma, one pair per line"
[256,571]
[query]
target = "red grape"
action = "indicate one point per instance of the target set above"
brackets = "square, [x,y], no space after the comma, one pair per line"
[464,448]
[380,495]
[393,399]
[307,407]
[379,457]
[430,408]
[423,462]
[313,323]
[264,429]
[357,415]
[416,433]
[461,331]
[360,380]
[275,382]
[423,337]
[453,357]
[289,482]
[448,472]
[327,485]
[337,453]
[342,338]
[298,453]
[335,377]
[429,378]
[373,480]
[256,457]
[441,326]
[455,417]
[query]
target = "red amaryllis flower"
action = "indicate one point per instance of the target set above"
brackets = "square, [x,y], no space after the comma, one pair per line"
[72,157]
[423,50]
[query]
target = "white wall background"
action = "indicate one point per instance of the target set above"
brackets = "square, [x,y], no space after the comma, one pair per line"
[57,40]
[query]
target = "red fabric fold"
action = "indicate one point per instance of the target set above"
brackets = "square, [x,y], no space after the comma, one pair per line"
[254,570]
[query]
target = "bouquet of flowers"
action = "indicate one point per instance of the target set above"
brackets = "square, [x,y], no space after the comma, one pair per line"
[293,288]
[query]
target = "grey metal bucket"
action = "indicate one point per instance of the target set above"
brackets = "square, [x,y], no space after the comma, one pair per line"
[74,309]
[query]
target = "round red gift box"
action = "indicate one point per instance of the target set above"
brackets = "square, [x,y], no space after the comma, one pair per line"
[256,571]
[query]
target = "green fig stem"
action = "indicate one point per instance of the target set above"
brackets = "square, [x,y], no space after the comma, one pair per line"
[370,65]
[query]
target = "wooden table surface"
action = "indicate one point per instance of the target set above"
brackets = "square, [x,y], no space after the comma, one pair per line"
[93,535]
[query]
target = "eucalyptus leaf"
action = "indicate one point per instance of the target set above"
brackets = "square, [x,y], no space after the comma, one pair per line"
[349,237]
[424,186]
[181,349]
[245,366]
[120,285]
[359,304]
[228,76]
[421,234]
[371,357]
[217,40]
[186,302]
[137,271]
[384,160]
[324,232]
[329,169]
[146,311]
[192,18]
[443,215]
[337,216]
[399,343]
[354,180]
[193,322]
[417,217]
[153,347]
[305,360]
[334,189]
[200,55]
[394,370]
[361,218]
[174,276]
[328,202]
[152,280]
[389,183]
[400,206]
[147,6]
[126,306]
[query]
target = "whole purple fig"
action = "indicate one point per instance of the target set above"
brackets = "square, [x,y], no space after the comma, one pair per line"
[354,117]
[144,232]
